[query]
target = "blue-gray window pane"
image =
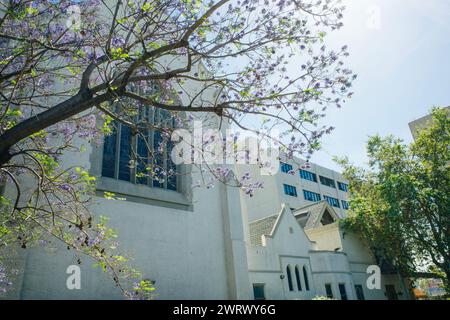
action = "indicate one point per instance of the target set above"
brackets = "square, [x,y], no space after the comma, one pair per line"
[327,182]
[343,186]
[311,196]
[125,153]
[290,190]
[171,177]
[332,201]
[258,292]
[158,163]
[285,167]
[163,168]
[141,168]
[308,175]
[345,205]
[109,155]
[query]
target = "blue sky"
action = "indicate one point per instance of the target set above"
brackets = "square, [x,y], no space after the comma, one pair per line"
[400,50]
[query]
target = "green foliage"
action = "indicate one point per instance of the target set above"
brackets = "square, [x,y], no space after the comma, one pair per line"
[400,203]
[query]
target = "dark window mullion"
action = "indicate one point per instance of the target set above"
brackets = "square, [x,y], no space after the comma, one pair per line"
[133,158]
[151,144]
[117,155]
[164,165]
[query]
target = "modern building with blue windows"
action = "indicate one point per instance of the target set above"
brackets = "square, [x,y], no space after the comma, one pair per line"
[311,183]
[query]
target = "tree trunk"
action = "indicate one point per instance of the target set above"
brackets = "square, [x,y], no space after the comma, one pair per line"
[80,102]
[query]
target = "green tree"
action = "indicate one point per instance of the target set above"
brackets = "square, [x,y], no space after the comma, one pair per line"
[400,203]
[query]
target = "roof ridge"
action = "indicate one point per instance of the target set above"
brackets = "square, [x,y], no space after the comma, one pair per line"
[310,205]
[260,219]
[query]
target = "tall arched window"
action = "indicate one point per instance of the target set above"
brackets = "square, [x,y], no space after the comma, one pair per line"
[142,158]
[297,277]
[289,278]
[305,275]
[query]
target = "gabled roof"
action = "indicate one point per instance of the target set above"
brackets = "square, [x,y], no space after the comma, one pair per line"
[261,227]
[310,216]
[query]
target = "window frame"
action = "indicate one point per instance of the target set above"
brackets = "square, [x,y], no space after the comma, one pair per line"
[287,188]
[260,285]
[150,138]
[284,166]
[342,186]
[327,182]
[345,205]
[307,175]
[334,200]
[313,194]
[298,278]
[181,199]
[305,278]
[343,291]
[289,278]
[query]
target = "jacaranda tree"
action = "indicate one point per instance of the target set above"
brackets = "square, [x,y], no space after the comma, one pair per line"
[400,204]
[71,69]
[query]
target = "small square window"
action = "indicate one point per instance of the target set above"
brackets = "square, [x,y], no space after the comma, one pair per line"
[258,291]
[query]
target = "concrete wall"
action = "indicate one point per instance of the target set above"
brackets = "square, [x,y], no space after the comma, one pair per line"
[289,246]
[189,253]
[330,255]
[358,259]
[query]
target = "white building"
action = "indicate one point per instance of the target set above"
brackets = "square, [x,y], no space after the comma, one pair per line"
[422,123]
[304,253]
[297,184]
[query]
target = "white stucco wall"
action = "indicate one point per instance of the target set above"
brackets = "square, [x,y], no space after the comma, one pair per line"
[184,251]
[288,246]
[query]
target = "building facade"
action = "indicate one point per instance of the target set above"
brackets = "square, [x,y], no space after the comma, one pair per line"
[421,123]
[297,183]
[304,253]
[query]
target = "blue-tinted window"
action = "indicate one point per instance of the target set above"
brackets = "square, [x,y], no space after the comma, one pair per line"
[158,161]
[258,291]
[109,155]
[332,201]
[151,163]
[311,196]
[142,153]
[172,170]
[308,175]
[342,186]
[125,153]
[327,182]
[345,204]
[284,167]
[290,190]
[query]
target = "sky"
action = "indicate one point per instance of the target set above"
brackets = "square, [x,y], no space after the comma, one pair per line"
[400,50]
